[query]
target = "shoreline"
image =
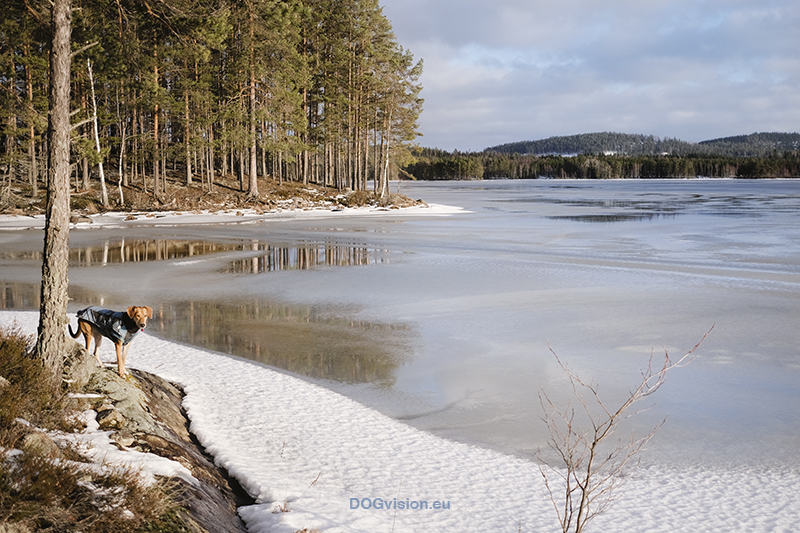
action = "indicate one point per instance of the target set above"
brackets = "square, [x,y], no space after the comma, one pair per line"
[303,452]
[126,219]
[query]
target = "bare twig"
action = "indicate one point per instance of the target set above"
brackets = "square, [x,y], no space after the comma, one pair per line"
[588,475]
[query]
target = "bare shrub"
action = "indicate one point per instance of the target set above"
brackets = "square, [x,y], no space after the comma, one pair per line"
[590,467]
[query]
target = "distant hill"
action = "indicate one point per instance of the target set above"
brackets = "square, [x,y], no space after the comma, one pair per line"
[756,144]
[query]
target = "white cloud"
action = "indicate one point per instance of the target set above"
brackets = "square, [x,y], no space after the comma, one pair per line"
[519,69]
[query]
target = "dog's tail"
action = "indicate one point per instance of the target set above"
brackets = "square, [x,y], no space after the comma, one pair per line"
[76,334]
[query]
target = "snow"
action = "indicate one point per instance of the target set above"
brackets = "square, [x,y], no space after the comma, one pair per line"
[119,219]
[96,445]
[307,454]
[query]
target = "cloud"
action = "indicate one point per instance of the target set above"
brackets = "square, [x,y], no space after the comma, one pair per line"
[518,69]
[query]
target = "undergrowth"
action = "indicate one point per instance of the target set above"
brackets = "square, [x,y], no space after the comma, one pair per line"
[47,489]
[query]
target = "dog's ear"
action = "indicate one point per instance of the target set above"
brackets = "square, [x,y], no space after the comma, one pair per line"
[131,311]
[149,311]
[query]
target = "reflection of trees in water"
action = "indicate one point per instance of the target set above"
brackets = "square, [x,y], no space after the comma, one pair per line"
[306,256]
[294,338]
[138,250]
[21,296]
[145,250]
[300,256]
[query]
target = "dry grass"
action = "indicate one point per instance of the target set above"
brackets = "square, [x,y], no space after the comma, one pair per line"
[45,489]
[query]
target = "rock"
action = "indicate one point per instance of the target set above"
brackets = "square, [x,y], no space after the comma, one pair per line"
[130,217]
[40,444]
[128,399]
[14,528]
[124,438]
[78,219]
[155,421]
[4,383]
[110,419]
[79,366]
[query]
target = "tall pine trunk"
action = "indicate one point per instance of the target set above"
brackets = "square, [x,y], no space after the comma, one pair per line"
[33,172]
[103,189]
[51,339]
[252,189]
[186,133]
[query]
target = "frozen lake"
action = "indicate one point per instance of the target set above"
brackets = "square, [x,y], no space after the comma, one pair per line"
[444,322]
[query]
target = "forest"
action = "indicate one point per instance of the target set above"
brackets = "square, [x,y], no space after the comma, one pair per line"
[617,156]
[189,92]
[753,145]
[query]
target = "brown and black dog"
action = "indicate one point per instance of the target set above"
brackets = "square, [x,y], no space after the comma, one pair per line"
[119,326]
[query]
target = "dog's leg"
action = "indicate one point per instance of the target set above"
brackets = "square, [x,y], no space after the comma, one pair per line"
[125,356]
[98,338]
[122,353]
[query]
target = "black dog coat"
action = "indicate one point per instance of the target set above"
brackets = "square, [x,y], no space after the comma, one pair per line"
[116,325]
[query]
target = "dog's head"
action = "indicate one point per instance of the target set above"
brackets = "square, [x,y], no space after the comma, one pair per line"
[140,315]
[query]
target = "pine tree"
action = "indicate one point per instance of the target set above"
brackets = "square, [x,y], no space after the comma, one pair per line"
[53,310]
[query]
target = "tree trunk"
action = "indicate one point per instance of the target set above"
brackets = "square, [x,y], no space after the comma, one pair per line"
[103,189]
[11,128]
[211,157]
[156,156]
[252,189]
[187,131]
[33,173]
[52,338]
[121,170]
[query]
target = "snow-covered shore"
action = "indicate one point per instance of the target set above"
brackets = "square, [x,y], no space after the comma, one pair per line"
[308,455]
[120,219]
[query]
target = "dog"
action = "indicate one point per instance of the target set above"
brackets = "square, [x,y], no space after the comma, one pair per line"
[118,326]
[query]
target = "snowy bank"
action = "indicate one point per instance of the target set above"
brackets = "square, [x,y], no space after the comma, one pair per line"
[120,219]
[314,459]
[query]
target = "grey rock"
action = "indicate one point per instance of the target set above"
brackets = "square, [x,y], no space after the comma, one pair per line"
[154,421]
[79,365]
[124,438]
[111,419]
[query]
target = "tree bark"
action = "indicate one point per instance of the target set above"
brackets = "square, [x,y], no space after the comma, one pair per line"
[95,131]
[252,189]
[33,173]
[186,140]
[52,337]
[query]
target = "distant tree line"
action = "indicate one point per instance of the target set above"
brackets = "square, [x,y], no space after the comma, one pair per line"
[753,145]
[309,90]
[440,165]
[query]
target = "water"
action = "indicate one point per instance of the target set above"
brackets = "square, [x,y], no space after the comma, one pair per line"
[449,322]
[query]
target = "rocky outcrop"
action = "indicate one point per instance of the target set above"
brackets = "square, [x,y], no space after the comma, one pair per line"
[144,413]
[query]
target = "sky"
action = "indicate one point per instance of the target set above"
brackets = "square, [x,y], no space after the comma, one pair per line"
[511,70]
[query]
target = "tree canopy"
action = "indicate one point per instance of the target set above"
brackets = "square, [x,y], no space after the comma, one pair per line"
[314,91]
